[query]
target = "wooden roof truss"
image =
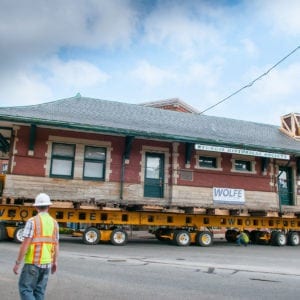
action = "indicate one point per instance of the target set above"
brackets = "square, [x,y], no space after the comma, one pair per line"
[290,124]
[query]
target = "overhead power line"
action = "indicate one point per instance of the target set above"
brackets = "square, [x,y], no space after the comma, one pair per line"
[252,82]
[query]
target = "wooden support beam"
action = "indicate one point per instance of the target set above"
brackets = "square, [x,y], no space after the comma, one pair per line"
[264,163]
[32,137]
[188,152]
[4,145]
[128,143]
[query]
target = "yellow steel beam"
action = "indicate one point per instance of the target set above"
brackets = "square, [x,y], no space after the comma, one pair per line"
[105,217]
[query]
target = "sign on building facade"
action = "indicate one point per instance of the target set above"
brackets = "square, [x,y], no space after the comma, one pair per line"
[228,196]
[241,151]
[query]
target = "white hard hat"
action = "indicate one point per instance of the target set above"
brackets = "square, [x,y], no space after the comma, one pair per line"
[42,199]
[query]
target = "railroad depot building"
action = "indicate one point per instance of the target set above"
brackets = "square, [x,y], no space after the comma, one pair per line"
[158,155]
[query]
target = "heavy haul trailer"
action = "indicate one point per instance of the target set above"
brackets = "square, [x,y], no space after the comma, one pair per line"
[92,152]
[180,228]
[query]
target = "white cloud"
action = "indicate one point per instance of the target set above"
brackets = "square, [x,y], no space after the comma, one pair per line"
[203,74]
[151,75]
[26,88]
[178,27]
[267,99]
[278,85]
[32,29]
[57,77]
[281,15]
[196,50]
[75,74]
[250,47]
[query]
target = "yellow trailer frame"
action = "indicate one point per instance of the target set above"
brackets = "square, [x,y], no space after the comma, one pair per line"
[105,223]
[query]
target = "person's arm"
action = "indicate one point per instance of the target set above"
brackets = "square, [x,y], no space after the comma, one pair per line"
[23,249]
[54,261]
[55,251]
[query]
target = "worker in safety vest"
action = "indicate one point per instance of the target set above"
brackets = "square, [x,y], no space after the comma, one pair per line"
[39,250]
[243,239]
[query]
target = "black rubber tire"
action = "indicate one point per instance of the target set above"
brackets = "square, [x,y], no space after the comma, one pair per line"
[173,239]
[248,233]
[273,235]
[162,231]
[252,236]
[158,233]
[18,234]
[3,232]
[258,236]
[231,235]
[182,238]
[293,238]
[91,236]
[119,237]
[204,238]
[279,239]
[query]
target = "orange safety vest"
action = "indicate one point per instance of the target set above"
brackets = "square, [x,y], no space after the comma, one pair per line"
[44,239]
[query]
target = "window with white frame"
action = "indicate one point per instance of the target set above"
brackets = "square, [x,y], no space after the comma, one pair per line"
[62,160]
[4,168]
[94,163]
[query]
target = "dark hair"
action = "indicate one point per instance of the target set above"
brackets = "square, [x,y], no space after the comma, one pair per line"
[42,207]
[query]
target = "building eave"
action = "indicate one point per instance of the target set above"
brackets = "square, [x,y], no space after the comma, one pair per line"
[142,134]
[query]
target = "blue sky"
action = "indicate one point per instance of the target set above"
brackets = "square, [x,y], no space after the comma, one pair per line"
[141,50]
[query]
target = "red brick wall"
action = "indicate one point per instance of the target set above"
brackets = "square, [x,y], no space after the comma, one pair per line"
[225,178]
[30,165]
[34,165]
[133,169]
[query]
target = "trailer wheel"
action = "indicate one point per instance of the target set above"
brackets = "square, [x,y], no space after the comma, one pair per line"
[279,239]
[182,238]
[252,236]
[119,237]
[164,234]
[159,232]
[262,237]
[293,238]
[3,232]
[91,236]
[18,234]
[204,238]
[231,235]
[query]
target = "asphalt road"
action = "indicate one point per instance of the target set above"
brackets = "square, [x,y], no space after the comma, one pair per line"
[148,269]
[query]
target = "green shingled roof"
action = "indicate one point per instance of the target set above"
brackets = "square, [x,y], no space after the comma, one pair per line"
[82,113]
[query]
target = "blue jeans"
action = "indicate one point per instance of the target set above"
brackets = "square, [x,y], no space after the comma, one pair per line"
[33,282]
[240,241]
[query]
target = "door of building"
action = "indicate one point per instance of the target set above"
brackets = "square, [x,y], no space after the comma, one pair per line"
[154,175]
[285,186]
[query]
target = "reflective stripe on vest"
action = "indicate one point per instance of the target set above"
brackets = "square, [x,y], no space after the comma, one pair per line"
[43,241]
[245,237]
